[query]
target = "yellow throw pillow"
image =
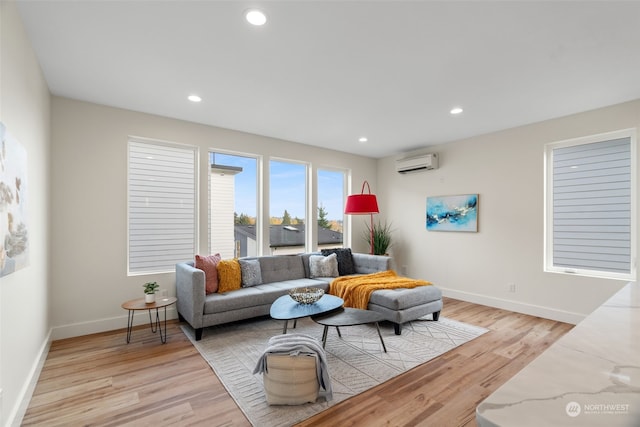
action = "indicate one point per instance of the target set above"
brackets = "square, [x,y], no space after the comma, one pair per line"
[229,275]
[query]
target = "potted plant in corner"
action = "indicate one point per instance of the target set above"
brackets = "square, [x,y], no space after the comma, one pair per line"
[150,289]
[381,238]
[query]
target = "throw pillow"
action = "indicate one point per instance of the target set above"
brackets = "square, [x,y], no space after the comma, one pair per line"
[323,266]
[209,264]
[345,260]
[229,275]
[251,273]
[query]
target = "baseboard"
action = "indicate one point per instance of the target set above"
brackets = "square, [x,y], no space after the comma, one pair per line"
[68,331]
[17,412]
[107,324]
[518,307]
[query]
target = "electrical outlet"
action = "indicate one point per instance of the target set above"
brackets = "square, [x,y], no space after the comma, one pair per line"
[405,269]
[512,287]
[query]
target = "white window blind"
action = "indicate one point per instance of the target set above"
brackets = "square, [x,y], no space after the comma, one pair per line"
[592,207]
[162,206]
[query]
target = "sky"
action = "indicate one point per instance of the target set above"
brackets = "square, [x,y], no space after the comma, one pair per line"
[287,188]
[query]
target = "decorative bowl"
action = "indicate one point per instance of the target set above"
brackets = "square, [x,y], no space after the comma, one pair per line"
[306,295]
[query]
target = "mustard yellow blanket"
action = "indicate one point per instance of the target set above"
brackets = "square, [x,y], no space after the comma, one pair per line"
[356,290]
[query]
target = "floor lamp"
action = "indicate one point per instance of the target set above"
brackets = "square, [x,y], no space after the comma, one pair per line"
[363,204]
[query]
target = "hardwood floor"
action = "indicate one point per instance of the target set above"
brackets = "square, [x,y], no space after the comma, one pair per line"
[100,380]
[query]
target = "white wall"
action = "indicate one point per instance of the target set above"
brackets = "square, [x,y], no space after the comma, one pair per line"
[24,308]
[506,170]
[89,205]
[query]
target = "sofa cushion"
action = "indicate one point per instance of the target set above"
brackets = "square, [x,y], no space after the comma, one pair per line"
[345,260]
[276,268]
[250,271]
[229,275]
[323,266]
[305,262]
[258,295]
[366,264]
[209,264]
[403,298]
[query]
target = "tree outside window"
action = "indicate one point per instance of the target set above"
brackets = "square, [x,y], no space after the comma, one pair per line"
[331,185]
[287,207]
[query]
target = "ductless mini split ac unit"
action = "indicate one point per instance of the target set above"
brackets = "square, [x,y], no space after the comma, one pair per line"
[417,163]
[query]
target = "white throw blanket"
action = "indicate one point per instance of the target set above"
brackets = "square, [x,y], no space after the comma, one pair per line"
[293,345]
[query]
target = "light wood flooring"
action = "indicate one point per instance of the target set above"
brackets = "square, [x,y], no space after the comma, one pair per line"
[100,380]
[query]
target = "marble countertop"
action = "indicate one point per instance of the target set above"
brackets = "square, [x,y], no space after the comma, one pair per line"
[589,377]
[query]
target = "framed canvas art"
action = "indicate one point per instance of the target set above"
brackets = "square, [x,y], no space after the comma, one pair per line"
[453,213]
[14,241]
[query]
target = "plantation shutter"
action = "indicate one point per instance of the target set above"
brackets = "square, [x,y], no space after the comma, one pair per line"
[592,206]
[162,206]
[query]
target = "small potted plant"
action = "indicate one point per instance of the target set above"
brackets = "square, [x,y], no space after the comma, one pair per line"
[381,238]
[150,289]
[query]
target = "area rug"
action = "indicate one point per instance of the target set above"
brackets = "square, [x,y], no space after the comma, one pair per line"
[356,361]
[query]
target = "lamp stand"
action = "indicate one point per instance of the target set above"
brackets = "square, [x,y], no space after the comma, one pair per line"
[371,229]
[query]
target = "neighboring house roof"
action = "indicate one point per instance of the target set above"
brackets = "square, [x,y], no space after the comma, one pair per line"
[291,235]
[232,170]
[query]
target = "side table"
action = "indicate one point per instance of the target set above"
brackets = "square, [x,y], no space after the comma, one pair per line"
[348,317]
[139,304]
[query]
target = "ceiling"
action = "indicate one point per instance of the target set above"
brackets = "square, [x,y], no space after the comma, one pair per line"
[326,73]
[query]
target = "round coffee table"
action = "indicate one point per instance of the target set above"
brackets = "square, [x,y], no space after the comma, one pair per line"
[139,304]
[348,317]
[285,308]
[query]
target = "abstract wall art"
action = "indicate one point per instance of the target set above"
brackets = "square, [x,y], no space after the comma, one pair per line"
[453,213]
[14,241]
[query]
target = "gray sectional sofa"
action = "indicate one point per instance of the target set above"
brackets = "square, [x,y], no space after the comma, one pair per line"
[280,273]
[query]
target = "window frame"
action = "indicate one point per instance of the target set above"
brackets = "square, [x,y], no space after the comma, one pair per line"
[259,199]
[549,206]
[309,195]
[191,151]
[346,173]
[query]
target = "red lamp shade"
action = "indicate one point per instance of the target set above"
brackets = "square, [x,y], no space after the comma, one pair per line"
[363,204]
[360,204]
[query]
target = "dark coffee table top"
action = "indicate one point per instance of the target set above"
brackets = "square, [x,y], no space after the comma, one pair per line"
[285,308]
[348,317]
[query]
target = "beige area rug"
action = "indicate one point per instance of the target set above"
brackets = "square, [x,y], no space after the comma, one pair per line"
[356,361]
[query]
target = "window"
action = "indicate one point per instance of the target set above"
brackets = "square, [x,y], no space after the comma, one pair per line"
[233,194]
[331,190]
[163,203]
[591,207]
[161,206]
[287,207]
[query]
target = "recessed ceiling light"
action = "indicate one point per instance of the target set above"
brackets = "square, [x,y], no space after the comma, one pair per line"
[194,98]
[456,110]
[256,17]
[363,139]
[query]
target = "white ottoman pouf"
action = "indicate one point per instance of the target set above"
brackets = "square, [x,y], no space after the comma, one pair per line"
[291,380]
